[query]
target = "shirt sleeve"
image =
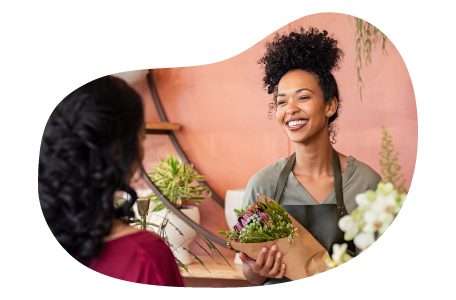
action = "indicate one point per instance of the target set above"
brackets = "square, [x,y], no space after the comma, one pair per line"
[373,179]
[263,183]
[251,192]
[160,267]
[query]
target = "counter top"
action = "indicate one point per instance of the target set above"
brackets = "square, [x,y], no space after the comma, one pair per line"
[217,271]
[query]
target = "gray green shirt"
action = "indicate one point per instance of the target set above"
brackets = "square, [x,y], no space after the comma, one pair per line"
[357,178]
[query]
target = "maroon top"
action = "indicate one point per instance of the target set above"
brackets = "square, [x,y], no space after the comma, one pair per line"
[141,257]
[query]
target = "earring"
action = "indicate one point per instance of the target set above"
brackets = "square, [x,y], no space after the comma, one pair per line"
[329,115]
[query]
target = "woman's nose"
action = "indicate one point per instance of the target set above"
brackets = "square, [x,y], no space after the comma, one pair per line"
[292,108]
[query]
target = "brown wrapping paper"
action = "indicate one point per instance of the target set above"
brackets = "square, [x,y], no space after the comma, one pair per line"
[304,257]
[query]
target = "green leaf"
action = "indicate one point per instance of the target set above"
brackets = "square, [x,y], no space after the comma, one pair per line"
[197,258]
[206,251]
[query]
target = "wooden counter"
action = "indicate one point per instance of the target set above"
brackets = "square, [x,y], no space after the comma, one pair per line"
[217,271]
[220,276]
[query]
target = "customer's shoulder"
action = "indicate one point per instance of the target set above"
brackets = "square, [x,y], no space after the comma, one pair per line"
[140,238]
[146,240]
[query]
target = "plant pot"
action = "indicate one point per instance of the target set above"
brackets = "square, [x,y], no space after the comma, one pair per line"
[233,199]
[175,238]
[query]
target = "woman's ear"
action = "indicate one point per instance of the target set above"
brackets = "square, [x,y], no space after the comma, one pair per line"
[334,105]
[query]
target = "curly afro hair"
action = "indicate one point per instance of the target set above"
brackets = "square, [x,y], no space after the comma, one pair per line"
[311,51]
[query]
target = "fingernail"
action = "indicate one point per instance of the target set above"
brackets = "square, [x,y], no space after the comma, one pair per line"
[283,266]
[274,248]
[264,249]
[279,255]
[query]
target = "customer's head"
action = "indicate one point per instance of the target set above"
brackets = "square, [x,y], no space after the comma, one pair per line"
[91,146]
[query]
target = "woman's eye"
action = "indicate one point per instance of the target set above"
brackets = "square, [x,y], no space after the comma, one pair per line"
[304,98]
[280,102]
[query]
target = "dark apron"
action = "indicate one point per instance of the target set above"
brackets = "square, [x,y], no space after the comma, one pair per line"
[320,220]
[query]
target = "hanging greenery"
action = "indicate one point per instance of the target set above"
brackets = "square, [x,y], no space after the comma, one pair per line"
[366,36]
[388,163]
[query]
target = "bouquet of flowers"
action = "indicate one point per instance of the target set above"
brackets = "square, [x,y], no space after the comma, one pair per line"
[260,222]
[265,224]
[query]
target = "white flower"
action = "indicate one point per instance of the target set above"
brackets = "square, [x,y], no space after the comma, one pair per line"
[339,256]
[330,263]
[364,240]
[377,221]
[385,188]
[350,227]
[362,200]
[338,251]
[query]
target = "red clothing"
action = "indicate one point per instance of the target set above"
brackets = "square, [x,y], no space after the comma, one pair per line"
[141,257]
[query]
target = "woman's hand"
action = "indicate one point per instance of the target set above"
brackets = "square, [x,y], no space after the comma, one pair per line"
[257,272]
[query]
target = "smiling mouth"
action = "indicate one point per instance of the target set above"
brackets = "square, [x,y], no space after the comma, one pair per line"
[296,124]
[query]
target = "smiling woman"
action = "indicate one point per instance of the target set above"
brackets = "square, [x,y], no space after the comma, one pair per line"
[316,185]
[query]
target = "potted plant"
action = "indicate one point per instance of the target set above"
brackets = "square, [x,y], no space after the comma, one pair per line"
[142,208]
[178,182]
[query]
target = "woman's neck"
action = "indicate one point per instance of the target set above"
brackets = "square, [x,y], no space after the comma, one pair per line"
[314,159]
[119,229]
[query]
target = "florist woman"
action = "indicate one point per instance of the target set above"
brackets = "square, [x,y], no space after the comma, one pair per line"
[316,185]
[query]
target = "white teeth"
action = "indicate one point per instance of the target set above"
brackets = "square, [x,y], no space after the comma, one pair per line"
[297,123]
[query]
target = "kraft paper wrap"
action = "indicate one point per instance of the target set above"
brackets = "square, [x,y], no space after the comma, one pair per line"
[304,257]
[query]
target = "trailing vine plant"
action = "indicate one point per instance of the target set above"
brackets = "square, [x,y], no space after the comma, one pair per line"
[389,163]
[143,224]
[366,36]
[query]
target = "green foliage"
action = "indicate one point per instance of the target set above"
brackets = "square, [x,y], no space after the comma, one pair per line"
[175,180]
[389,163]
[143,225]
[366,36]
[257,230]
[208,243]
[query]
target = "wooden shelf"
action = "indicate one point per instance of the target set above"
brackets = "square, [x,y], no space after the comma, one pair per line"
[161,127]
[217,271]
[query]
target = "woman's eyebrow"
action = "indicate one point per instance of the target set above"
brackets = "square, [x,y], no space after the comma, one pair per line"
[297,91]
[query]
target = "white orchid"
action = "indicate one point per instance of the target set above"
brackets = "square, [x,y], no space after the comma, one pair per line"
[349,226]
[364,240]
[339,256]
[375,212]
[377,221]
[365,200]
[386,188]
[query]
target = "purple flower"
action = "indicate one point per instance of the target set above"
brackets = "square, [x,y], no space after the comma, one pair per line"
[264,216]
[242,220]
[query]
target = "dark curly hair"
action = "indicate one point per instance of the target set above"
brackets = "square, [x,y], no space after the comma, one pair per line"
[89,145]
[311,51]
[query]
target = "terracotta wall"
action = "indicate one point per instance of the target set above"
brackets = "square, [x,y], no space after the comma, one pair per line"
[226,133]
[214,90]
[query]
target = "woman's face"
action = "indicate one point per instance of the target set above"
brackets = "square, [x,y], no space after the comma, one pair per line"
[301,110]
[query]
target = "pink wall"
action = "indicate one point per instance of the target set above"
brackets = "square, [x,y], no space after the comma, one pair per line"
[219,100]
[227,135]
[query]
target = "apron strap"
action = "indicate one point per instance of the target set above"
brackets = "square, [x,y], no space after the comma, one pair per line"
[338,184]
[283,178]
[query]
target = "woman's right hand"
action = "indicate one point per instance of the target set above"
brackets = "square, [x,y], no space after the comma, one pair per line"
[257,272]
